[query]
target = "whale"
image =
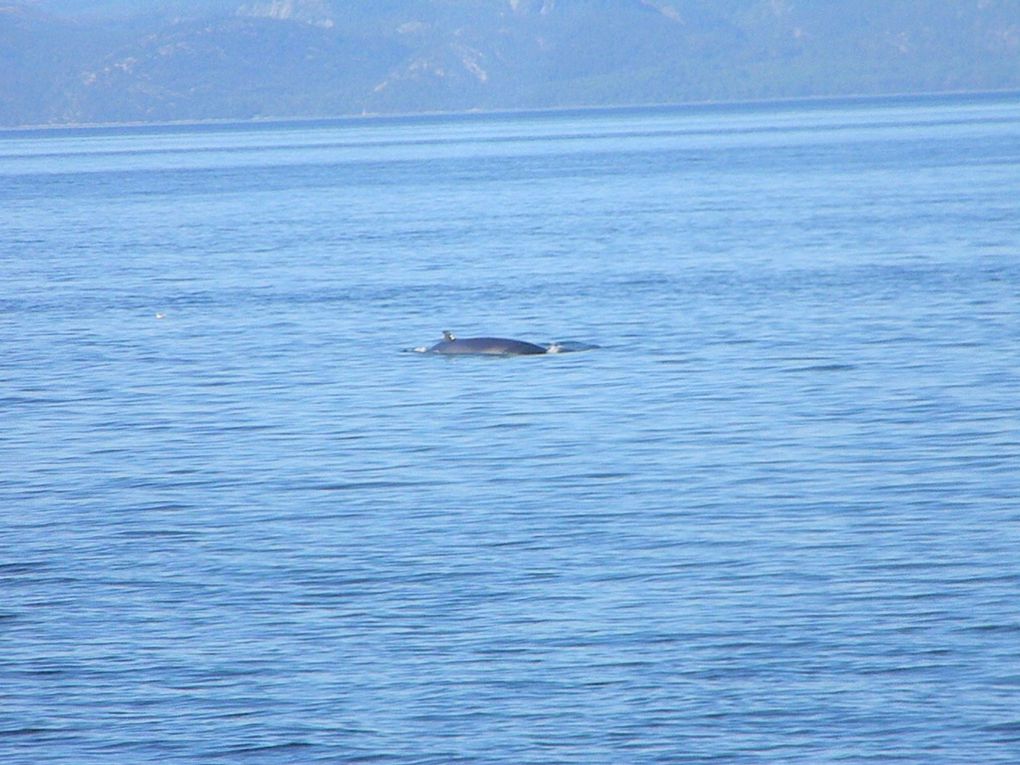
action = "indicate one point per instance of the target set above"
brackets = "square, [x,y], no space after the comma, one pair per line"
[451,345]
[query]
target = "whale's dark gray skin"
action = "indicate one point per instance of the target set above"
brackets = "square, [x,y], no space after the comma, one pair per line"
[492,346]
[498,346]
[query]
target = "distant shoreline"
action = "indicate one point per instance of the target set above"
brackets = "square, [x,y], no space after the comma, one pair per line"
[551,110]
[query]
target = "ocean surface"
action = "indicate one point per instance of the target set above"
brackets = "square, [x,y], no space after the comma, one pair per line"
[773,517]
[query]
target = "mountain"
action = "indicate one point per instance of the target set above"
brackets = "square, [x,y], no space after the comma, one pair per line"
[89,61]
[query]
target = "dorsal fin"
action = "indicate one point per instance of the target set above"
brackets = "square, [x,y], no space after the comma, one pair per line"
[448,336]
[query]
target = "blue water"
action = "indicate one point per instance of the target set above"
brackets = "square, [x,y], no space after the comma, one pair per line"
[773,517]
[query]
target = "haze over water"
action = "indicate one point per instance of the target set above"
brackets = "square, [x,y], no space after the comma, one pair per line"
[772,518]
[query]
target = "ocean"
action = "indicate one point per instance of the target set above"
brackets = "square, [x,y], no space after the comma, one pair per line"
[772,516]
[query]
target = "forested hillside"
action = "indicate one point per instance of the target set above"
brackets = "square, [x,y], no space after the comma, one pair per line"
[84,61]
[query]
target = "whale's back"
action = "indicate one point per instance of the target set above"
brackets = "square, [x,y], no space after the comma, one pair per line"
[492,346]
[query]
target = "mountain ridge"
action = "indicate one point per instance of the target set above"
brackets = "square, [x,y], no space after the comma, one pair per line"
[99,61]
